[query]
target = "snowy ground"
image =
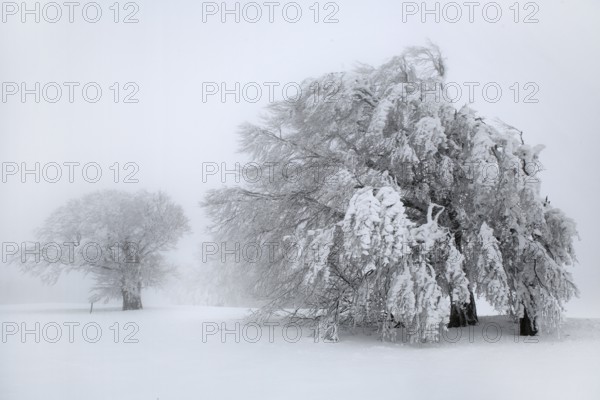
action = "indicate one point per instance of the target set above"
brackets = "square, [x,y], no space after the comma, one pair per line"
[172,359]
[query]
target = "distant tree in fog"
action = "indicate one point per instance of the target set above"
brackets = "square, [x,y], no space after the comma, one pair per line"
[115,236]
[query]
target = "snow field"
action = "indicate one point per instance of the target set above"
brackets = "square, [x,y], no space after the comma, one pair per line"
[179,356]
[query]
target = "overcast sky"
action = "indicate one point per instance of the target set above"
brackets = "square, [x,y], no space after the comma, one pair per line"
[171,131]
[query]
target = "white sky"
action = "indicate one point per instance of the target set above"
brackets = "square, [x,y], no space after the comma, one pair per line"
[170,132]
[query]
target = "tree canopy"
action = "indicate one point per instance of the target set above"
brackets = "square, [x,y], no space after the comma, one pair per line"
[401,206]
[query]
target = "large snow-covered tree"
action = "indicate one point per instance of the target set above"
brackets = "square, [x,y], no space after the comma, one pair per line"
[115,236]
[399,206]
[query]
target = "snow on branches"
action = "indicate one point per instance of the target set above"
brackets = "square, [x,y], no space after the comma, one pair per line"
[423,206]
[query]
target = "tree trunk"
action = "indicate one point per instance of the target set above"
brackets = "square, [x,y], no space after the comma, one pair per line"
[527,326]
[471,307]
[132,300]
[457,316]
[465,314]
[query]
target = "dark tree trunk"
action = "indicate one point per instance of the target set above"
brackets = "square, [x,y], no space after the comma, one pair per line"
[457,316]
[465,314]
[132,300]
[527,326]
[471,307]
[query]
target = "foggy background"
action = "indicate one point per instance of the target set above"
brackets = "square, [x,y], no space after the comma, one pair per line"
[170,132]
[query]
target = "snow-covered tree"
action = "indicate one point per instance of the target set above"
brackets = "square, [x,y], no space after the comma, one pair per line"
[414,207]
[115,236]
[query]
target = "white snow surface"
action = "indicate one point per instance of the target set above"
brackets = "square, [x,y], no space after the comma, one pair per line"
[171,361]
